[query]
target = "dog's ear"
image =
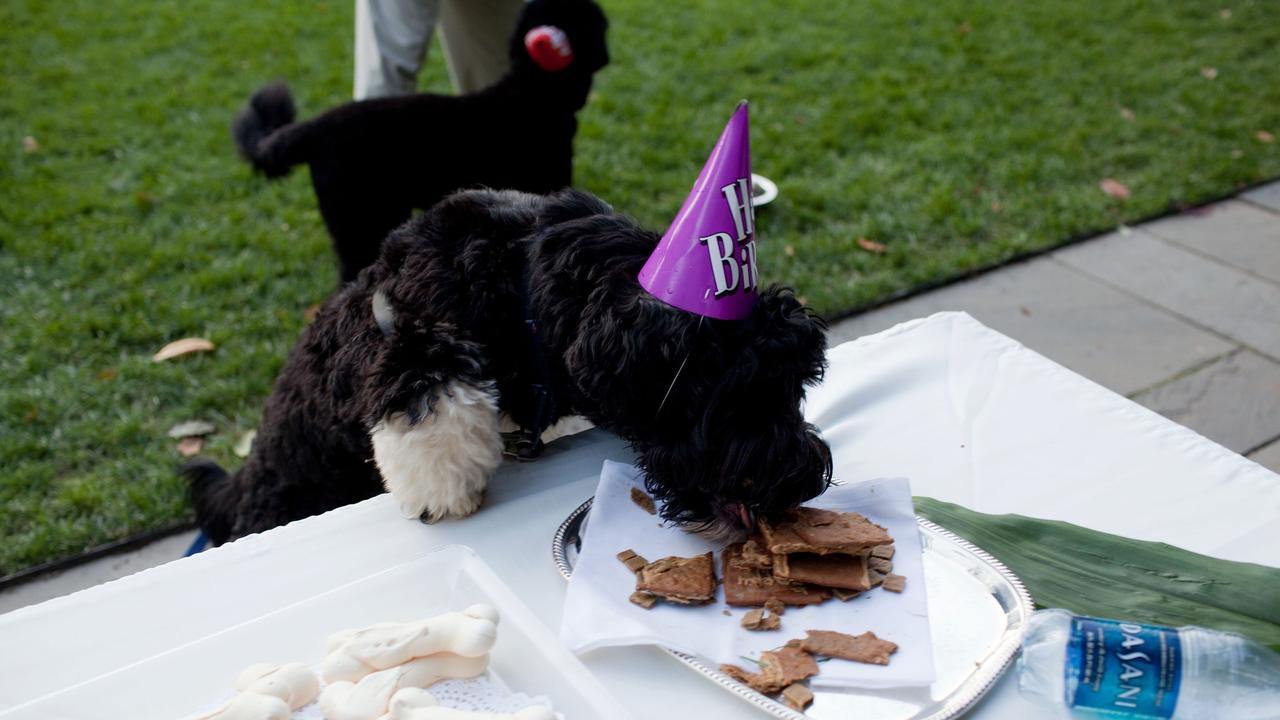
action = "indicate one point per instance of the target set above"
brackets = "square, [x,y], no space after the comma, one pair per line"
[788,338]
[632,337]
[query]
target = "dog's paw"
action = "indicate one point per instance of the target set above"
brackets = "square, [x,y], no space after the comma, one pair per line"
[437,509]
[439,467]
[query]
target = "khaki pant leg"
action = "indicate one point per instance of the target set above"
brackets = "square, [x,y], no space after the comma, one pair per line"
[475,35]
[391,40]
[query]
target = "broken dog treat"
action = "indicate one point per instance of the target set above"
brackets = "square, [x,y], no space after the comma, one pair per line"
[864,648]
[880,564]
[819,531]
[883,551]
[643,501]
[747,586]
[778,669]
[797,696]
[759,619]
[848,572]
[894,583]
[774,607]
[756,681]
[794,663]
[643,599]
[756,554]
[687,581]
[633,561]
[844,595]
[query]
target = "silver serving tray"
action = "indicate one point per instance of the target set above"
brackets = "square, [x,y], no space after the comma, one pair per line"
[978,613]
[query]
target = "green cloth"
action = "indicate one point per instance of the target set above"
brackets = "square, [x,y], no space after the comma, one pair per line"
[1095,573]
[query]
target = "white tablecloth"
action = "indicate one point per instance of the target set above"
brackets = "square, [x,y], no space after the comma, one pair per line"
[968,414]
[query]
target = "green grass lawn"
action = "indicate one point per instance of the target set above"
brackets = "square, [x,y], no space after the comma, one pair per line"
[956,134]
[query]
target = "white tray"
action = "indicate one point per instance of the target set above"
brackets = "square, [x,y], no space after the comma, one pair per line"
[978,613]
[527,657]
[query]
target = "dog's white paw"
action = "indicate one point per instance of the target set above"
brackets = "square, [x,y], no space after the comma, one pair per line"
[439,467]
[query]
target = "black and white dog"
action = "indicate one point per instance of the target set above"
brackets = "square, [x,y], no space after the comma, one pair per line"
[374,162]
[504,302]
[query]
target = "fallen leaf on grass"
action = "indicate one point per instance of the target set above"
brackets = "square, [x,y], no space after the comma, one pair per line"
[183,347]
[803,301]
[192,428]
[310,313]
[108,374]
[871,245]
[1237,154]
[1209,72]
[1127,114]
[29,145]
[189,446]
[964,28]
[1225,13]
[789,251]
[1265,136]
[245,444]
[1114,188]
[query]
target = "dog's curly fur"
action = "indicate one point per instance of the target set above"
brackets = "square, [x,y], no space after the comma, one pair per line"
[374,161]
[411,364]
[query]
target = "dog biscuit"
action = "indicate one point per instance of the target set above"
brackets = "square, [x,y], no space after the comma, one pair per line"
[864,648]
[748,586]
[353,654]
[643,599]
[837,570]
[633,561]
[370,698]
[269,692]
[688,581]
[643,501]
[797,696]
[814,530]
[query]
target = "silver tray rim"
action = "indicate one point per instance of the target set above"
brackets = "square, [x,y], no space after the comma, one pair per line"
[964,697]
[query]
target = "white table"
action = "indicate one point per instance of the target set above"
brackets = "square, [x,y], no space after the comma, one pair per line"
[968,414]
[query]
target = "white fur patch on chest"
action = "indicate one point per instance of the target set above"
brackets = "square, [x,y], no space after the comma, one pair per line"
[440,465]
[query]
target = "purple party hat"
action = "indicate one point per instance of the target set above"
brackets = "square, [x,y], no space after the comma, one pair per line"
[706,261]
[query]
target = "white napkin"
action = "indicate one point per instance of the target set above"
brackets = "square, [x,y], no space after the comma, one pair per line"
[597,612]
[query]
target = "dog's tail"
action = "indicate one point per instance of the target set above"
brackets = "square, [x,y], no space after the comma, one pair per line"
[265,133]
[212,495]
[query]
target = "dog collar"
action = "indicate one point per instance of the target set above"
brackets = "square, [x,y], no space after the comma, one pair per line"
[526,443]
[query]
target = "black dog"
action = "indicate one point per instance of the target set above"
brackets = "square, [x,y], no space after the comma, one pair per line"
[373,162]
[502,302]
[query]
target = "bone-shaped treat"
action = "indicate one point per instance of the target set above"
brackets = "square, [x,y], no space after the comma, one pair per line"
[269,692]
[371,698]
[353,654]
[418,704]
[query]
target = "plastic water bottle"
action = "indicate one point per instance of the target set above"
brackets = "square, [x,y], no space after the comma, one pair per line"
[1120,669]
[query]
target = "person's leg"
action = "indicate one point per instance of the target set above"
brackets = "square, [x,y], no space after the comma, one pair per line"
[391,41]
[475,35]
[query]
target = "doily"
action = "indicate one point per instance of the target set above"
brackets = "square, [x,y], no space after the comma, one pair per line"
[483,693]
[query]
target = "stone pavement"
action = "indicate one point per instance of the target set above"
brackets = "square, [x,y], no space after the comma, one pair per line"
[1182,315]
